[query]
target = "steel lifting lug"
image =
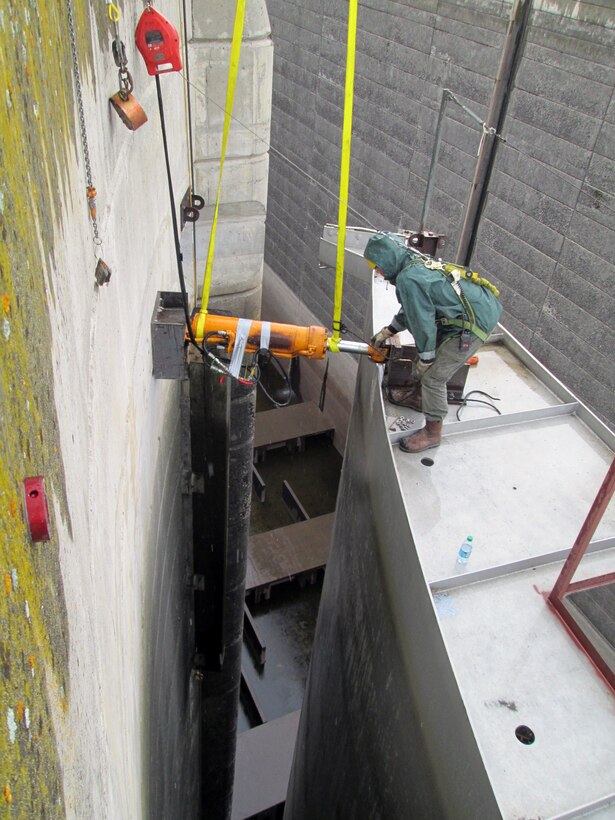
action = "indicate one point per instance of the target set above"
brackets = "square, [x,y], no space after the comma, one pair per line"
[128,109]
[191,214]
[197,202]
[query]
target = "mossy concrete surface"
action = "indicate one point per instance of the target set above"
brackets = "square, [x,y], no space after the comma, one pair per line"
[36,117]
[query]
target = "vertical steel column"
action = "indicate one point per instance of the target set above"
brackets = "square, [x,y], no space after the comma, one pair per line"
[509,62]
[222,430]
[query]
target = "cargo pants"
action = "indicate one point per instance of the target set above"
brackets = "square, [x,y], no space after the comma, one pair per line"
[433,384]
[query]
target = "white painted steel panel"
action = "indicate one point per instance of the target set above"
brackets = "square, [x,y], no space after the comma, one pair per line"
[516,664]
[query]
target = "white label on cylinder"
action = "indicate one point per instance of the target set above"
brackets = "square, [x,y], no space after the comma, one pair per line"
[241,339]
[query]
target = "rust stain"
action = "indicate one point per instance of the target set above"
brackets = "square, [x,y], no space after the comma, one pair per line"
[8,583]
[8,796]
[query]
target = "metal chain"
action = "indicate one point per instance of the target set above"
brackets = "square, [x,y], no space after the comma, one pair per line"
[91,190]
[119,53]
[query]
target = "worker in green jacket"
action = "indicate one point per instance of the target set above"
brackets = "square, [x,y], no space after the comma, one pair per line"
[449,317]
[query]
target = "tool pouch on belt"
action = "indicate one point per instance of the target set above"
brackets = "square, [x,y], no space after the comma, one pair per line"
[401,388]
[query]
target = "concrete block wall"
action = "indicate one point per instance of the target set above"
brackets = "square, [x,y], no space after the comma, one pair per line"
[238,262]
[547,231]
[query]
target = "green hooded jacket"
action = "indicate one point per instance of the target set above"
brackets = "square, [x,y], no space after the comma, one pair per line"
[427,295]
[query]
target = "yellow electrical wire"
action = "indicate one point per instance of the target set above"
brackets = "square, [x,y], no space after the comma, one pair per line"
[344,172]
[228,108]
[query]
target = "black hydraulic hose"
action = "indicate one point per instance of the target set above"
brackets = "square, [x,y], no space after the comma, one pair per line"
[178,255]
[189,105]
[465,399]
[323,388]
[190,139]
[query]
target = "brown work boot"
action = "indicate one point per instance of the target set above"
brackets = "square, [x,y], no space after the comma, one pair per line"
[424,439]
[410,396]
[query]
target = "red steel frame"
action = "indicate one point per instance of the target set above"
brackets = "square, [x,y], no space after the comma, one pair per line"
[563,586]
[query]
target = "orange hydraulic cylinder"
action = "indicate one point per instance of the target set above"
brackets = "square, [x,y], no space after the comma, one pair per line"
[285,341]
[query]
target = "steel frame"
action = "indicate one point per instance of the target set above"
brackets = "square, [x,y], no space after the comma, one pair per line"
[563,585]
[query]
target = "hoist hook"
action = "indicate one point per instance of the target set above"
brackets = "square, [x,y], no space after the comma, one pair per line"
[128,109]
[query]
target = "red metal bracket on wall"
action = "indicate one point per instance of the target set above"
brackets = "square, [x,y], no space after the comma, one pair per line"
[37,510]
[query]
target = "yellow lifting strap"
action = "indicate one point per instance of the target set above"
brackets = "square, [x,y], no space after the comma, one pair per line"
[344,173]
[228,110]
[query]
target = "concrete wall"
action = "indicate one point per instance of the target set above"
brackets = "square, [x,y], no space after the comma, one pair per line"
[548,228]
[238,266]
[125,740]
[98,700]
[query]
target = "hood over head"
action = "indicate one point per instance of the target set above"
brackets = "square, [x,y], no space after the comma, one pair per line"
[387,252]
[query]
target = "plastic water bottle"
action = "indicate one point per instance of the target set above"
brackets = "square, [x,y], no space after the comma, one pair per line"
[465,550]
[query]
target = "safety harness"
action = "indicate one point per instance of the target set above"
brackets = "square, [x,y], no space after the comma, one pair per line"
[454,273]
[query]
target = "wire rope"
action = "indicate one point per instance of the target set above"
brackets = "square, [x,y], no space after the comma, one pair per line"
[189,137]
[505,142]
[178,254]
[283,156]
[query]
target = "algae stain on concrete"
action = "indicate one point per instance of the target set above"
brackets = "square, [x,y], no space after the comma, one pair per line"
[36,132]
[584,12]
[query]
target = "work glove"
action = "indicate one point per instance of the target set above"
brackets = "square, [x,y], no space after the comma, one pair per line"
[380,338]
[419,368]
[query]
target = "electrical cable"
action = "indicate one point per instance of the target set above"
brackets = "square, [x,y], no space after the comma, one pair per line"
[323,388]
[178,255]
[505,141]
[271,357]
[466,398]
[572,181]
[283,156]
[208,357]
[188,103]
[216,364]
[189,141]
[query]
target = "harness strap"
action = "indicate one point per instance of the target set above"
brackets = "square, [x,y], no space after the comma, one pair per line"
[473,328]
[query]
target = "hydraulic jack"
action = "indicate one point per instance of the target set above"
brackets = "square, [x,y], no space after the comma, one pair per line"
[285,341]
